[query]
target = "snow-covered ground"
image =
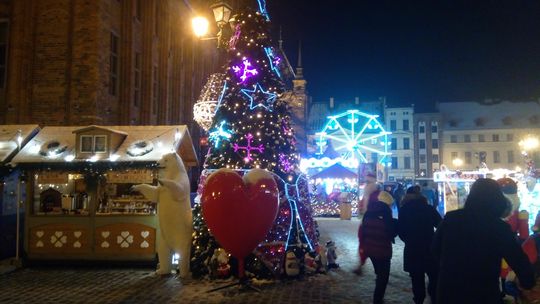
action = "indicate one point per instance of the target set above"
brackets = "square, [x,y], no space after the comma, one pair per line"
[344,234]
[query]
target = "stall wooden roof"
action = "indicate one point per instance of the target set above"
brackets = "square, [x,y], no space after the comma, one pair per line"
[164,139]
[335,171]
[8,139]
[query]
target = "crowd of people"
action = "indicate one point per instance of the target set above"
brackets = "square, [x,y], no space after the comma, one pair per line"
[461,255]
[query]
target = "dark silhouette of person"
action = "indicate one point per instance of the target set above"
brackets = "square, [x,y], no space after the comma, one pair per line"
[469,245]
[416,227]
[376,235]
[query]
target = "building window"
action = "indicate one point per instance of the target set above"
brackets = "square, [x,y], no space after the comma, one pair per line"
[467,138]
[453,138]
[481,138]
[3,52]
[435,158]
[156,18]
[407,162]
[394,163]
[421,129]
[510,157]
[495,137]
[434,129]
[374,157]
[434,143]
[137,82]
[422,158]
[453,155]
[138,9]
[482,156]
[405,125]
[113,73]
[155,90]
[422,143]
[468,158]
[509,137]
[393,125]
[394,144]
[406,144]
[496,157]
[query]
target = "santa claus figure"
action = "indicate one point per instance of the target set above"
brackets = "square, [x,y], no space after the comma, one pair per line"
[518,220]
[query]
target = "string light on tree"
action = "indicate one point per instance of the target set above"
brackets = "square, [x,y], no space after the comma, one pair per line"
[248,148]
[219,134]
[266,102]
[245,71]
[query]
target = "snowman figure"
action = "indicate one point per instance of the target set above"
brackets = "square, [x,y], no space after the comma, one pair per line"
[331,255]
[292,268]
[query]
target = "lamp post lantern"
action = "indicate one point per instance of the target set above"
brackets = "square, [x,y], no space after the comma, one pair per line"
[222,15]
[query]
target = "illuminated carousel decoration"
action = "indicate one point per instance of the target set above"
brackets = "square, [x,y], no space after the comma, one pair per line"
[52,149]
[209,101]
[140,148]
[353,134]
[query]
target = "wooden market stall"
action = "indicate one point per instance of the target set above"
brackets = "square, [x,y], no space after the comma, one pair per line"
[12,138]
[80,204]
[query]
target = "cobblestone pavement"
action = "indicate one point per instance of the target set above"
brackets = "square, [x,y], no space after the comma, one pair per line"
[101,285]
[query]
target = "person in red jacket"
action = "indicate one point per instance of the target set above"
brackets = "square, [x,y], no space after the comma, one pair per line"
[376,235]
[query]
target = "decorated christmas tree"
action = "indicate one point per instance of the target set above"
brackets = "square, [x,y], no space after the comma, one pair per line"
[248,124]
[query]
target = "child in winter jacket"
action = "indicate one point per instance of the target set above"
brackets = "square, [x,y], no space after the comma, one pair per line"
[376,235]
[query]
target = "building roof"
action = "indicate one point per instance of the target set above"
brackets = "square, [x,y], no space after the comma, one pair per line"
[490,115]
[162,139]
[9,142]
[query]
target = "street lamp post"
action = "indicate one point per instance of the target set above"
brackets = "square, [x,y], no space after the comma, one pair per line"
[222,15]
[457,162]
[527,145]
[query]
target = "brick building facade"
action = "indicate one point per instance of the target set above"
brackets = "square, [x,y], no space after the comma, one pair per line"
[75,62]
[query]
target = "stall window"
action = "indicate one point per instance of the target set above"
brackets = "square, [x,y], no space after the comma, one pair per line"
[93,144]
[87,143]
[58,192]
[100,143]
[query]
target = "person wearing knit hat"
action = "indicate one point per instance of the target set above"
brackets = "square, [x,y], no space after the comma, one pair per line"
[376,235]
[416,224]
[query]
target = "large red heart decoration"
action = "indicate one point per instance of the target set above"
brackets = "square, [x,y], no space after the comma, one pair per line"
[240,211]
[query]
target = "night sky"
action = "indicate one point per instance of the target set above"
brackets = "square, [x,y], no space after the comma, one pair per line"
[414,52]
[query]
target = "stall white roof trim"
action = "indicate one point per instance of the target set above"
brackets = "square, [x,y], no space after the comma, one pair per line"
[9,138]
[164,139]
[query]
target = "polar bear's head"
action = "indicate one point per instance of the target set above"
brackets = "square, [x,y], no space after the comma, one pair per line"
[171,166]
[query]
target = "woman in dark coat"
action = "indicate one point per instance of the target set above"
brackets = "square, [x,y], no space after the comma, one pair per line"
[469,245]
[376,235]
[416,226]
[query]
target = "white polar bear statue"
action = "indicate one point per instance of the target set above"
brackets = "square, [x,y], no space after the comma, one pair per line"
[173,212]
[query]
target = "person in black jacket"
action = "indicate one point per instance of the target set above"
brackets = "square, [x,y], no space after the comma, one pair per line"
[469,245]
[376,235]
[416,223]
